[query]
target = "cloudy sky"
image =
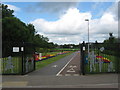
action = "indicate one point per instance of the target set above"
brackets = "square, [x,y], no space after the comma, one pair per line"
[64,22]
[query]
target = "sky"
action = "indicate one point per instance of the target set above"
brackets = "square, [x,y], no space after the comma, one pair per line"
[64,22]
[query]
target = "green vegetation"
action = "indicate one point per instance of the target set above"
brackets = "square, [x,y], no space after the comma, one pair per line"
[14,31]
[43,63]
[67,49]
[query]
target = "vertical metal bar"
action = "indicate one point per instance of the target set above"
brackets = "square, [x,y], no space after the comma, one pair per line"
[22,59]
[88,37]
[81,46]
[83,57]
[34,58]
[83,67]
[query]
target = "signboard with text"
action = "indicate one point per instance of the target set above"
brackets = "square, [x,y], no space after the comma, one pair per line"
[15,49]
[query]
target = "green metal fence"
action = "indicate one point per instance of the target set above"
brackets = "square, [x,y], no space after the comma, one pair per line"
[17,58]
[101,58]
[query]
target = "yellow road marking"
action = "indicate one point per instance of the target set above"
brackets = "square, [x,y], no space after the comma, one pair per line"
[14,84]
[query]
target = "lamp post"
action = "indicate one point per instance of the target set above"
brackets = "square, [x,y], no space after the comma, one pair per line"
[88,34]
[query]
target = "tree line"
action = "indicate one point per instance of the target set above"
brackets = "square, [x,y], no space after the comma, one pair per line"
[14,30]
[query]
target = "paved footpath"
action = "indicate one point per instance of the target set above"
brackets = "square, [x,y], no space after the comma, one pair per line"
[62,75]
[72,68]
[53,68]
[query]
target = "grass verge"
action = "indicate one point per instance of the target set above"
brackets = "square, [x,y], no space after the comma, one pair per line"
[41,64]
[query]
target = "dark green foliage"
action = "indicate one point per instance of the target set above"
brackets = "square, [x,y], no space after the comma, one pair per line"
[69,46]
[5,11]
[111,39]
[14,30]
[31,33]
[111,45]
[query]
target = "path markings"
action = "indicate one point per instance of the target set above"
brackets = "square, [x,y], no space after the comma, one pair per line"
[15,84]
[67,74]
[72,68]
[55,66]
[65,66]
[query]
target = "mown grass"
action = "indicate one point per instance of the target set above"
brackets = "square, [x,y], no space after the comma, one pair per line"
[43,63]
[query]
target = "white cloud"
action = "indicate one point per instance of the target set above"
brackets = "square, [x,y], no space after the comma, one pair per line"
[70,23]
[72,27]
[114,10]
[105,24]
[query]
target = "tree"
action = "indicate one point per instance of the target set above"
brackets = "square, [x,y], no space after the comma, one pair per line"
[111,34]
[111,39]
[32,32]
[14,30]
[41,41]
[110,45]
[6,12]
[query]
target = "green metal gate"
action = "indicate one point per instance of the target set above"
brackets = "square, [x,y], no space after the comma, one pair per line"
[101,58]
[17,58]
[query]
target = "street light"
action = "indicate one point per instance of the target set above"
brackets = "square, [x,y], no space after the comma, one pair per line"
[88,34]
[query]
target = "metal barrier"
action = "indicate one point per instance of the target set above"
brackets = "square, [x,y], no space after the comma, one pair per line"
[101,58]
[17,58]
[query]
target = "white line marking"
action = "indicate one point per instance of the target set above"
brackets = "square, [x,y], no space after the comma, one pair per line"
[55,66]
[71,70]
[60,75]
[65,66]
[72,66]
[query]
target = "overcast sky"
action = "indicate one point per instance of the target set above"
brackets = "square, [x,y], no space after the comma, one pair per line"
[64,22]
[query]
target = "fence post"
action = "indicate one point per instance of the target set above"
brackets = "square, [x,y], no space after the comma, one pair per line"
[117,56]
[34,58]
[23,58]
[82,58]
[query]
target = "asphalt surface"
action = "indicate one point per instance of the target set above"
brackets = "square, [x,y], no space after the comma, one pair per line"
[87,81]
[46,77]
[53,68]
[72,68]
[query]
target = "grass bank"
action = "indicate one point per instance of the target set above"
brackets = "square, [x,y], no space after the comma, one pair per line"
[41,64]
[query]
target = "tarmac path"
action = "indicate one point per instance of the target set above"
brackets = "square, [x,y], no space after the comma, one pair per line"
[55,67]
[72,68]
